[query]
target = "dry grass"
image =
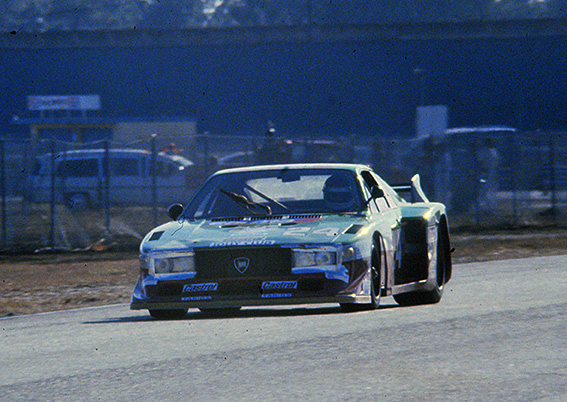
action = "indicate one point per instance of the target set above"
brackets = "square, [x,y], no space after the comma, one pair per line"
[56,282]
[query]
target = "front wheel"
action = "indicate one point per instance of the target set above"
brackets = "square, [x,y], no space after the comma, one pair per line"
[375,273]
[377,262]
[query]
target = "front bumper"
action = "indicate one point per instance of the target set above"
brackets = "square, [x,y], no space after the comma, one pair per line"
[352,299]
[268,280]
[237,292]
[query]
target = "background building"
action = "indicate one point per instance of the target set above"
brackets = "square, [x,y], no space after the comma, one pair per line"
[316,68]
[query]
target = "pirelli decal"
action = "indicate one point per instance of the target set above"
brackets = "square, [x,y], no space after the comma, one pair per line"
[196,298]
[276,295]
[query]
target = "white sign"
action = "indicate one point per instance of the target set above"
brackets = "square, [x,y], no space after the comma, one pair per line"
[431,120]
[64,102]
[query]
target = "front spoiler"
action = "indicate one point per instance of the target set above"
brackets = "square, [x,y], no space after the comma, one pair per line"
[353,299]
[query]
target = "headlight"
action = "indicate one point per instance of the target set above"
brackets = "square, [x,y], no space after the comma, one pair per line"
[314,257]
[172,263]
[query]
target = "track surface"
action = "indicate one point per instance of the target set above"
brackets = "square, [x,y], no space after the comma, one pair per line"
[499,334]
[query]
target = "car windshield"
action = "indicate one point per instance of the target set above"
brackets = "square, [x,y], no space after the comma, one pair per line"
[277,192]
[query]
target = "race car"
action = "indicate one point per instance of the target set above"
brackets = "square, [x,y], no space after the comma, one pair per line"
[295,234]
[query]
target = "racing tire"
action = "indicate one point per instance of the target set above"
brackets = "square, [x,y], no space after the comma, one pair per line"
[375,282]
[170,314]
[432,296]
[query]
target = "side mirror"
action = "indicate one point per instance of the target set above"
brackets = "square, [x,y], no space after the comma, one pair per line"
[376,192]
[175,211]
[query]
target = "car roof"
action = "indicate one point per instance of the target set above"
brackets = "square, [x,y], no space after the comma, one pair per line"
[81,153]
[342,166]
[98,151]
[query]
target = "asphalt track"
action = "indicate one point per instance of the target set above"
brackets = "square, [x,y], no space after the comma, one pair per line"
[499,334]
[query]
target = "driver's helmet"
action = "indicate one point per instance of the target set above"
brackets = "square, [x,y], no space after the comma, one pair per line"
[339,193]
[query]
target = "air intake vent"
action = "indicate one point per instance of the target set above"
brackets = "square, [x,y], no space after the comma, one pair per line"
[227,219]
[312,216]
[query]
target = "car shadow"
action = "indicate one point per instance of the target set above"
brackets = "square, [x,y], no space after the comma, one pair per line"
[248,312]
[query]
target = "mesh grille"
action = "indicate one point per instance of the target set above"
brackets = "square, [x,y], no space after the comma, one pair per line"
[222,263]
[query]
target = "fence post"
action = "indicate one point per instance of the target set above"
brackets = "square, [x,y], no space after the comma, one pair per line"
[477,180]
[553,177]
[52,193]
[153,169]
[515,157]
[3,191]
[206,153]
[106,169]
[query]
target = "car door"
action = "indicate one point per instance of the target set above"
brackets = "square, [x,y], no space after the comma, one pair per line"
[388,218]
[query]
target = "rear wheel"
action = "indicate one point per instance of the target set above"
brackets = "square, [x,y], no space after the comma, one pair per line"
[170,314]
[432,296]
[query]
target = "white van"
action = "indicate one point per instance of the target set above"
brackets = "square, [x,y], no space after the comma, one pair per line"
[80,181]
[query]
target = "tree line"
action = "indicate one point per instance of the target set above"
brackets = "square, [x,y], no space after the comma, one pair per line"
[68,15]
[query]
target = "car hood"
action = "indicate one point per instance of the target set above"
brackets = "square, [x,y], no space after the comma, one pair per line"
[308,229]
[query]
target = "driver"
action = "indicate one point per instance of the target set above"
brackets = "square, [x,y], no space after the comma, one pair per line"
[338,193]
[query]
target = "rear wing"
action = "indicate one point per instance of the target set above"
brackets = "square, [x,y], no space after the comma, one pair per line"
[413,188]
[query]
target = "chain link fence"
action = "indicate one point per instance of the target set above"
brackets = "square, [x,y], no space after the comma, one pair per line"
[60,195]
[494,177]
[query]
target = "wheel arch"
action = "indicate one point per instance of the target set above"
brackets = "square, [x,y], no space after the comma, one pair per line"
[378,238]
[444,232]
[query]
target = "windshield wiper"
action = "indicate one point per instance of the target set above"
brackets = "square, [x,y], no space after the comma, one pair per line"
[266,197]
[246,203]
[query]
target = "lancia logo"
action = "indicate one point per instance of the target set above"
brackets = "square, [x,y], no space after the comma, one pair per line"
[241,264]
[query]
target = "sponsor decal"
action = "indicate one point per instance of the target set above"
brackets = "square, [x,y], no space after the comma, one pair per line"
[263,222]
[299,231]
[330,231]
[241,264]
[200,287]
[193,298]
[249,231]
[276,295]
[249,242]
[277,285]
[304,231]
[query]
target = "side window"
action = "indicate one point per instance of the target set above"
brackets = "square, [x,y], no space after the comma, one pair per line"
[370,181]
[78,168]
[394,199]
[121,166]
[163,168]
